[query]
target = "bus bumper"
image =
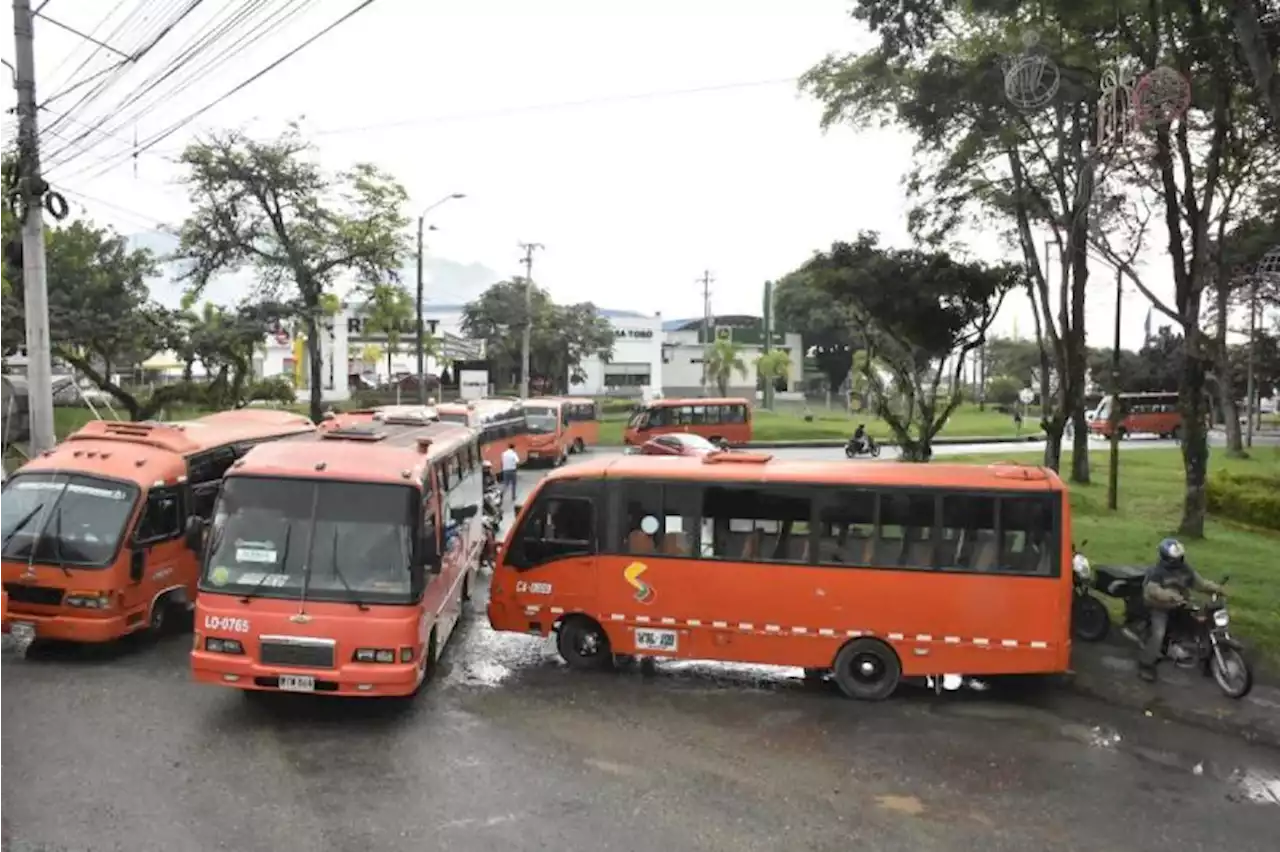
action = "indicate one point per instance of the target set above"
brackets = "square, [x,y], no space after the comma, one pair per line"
[68,628]
[363,680]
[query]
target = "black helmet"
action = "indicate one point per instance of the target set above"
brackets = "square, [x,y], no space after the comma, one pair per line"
[1171,550]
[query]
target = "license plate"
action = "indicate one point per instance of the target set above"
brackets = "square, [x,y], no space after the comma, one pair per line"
[667,641]
[297,683]
[22,631]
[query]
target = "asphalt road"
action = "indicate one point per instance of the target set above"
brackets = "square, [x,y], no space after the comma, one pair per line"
[508,750]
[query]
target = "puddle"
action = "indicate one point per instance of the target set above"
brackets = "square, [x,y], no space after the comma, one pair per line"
[719,675]
[1255,786]
[488,658]
[1095,736]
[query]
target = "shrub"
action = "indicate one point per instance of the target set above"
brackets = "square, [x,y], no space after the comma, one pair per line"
[1003,390]
[273,389]
[1246,498]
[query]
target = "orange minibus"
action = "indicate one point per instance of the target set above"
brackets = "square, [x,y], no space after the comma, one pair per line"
[501,422]
[340,564]
[98,533]
[547,422]
[722,421]
[871,573]
[1145,413]
[584,423]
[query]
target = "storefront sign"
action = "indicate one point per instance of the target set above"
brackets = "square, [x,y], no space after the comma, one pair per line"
[634,333]
[473,384]
[360,327]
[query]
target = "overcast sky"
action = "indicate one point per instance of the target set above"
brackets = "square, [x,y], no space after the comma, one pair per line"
[641,143]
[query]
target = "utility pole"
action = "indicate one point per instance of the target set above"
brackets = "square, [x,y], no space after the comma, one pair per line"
[706,280]
[419,333]
[32,188]
[768,341]
[1251,387]
[1113,472]
[529,249]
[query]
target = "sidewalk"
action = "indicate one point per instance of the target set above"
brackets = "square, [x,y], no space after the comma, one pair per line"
[1108,671]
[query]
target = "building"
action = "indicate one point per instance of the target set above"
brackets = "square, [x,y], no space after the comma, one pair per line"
[683,350]
[636,361]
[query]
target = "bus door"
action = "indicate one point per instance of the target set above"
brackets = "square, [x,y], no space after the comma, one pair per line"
[159,559]
[552,555]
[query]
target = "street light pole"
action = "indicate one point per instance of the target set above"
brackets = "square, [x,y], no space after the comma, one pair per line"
[526,338]
[419,337]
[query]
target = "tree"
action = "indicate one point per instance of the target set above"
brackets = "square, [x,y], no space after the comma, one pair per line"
[774,366]
[1014,359]
[918,311]
[724,358]
[101,317]
[801,308]
[225,342]
[1261,53]
[390,310]
[269,206]
[561,336]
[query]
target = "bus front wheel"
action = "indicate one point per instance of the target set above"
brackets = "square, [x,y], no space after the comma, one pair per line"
[584,644]
[867,669]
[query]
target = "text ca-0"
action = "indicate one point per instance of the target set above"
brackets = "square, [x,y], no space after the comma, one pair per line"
[226,623]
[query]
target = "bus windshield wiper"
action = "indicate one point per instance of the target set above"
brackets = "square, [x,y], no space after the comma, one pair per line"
[57,541]
[17,528]
[337,572]
[284,565]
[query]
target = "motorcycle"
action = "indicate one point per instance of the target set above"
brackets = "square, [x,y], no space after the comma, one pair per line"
[867,447]
[492,520]
[1090,620]
[1197,635]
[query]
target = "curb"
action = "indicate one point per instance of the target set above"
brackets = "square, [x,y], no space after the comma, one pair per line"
[838,443]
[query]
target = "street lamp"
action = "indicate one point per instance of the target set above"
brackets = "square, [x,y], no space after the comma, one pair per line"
[422,364]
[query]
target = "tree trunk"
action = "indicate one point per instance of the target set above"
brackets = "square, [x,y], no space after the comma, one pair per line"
[1195,445]
[1053,429]
[317,373]
[1222,366]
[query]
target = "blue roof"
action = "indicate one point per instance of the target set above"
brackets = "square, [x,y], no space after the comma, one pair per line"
[604,312]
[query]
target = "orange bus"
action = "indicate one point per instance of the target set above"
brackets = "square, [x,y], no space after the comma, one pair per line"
[98,532]
[1147,413]
[869,573]
[340,564]
[547,422]
[584,423]
[500,421]
[726,421]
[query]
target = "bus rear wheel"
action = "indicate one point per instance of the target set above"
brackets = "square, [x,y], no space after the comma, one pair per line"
[583,644]
[867,669]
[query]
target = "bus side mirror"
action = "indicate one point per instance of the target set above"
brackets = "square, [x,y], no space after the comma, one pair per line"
[194,535]
[459,514]
[137,565]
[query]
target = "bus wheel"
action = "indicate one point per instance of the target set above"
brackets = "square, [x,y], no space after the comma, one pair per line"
[158,623]
[584,644]
[867,669]
[578,446]
[429,664]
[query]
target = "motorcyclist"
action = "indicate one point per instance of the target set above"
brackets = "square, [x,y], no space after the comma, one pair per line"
[1165,588]
[859,438]
[487,479]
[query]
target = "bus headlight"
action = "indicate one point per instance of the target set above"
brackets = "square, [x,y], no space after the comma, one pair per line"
[375,655]
[88,600]
[1221,619]
[223,646]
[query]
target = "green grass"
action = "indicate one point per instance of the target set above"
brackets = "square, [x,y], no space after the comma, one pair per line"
[966,421]
[1150,500]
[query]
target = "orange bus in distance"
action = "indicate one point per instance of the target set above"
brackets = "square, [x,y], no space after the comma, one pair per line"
[584,423]
[98,533]
[873,573]
[1146,413]
[723,421]
[500,422]
[340,564]
[547,422]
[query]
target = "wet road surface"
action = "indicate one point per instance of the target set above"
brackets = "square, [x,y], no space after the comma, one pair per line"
[508,750]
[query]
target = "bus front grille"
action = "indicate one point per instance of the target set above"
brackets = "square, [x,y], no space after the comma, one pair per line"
[311,653]
[34,595]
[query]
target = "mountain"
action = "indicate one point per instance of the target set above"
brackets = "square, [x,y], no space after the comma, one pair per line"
[447,282]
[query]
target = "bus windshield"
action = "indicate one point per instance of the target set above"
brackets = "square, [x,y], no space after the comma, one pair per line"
[639,420]
[1104,409]
[66,519]
[542,420]
[341,541]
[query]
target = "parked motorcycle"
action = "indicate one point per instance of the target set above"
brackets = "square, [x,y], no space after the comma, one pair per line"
[1197,635]
[1090,620]
[868,447]
[492,520]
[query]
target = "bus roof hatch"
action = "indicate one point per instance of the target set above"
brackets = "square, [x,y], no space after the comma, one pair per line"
[730,457]
[354,433]
[1017,470]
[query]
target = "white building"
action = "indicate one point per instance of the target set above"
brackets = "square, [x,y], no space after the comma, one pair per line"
[636,361]
[683,351]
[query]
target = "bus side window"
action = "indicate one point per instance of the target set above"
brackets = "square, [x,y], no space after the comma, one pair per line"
[555,527]
[905,533]
[969,541]
[759,523]
[1028,544]
[564,415]
[161,518]
[660,519]
[847,528]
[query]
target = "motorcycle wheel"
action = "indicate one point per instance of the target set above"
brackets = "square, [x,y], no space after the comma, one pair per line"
[849,453]
[1237,679]
[875,451]
[1090,620]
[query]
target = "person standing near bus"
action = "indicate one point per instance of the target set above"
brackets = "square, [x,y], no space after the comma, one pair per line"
[510,462]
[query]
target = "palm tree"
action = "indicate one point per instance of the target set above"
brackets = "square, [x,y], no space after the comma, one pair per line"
[723,360]
[772,366]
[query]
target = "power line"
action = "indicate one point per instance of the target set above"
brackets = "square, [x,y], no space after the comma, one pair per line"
[178,125]
[139,217]
[76,32]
